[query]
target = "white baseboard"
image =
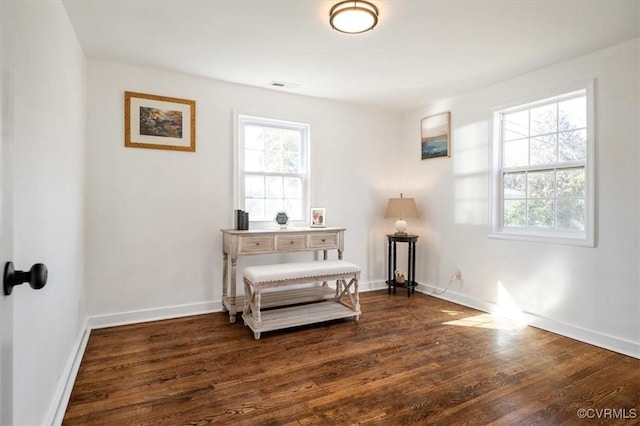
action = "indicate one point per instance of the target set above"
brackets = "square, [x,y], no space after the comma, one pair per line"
[613,343]
[156,314]
[371,286]
[168,312]
[60,399]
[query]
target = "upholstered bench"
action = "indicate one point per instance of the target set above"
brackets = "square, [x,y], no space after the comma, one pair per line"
[299,306]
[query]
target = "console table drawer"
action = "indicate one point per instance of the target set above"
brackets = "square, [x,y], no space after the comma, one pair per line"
[261,244]
[291,242]
[323,240]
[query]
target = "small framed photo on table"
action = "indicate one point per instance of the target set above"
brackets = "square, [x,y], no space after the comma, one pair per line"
[318,217]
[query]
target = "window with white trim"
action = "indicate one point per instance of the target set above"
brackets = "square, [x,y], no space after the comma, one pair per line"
[542,162]
[273,169]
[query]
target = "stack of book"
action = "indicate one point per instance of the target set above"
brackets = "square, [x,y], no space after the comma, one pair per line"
[242,220]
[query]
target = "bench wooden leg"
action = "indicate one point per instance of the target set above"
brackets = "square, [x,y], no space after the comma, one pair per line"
[357,295]
[246,309]
[342,291]
[256,306]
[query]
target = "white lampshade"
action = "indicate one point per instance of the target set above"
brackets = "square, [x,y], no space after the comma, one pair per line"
[401,209]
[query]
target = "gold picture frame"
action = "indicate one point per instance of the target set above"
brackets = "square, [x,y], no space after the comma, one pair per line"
[159,122]
[435,135]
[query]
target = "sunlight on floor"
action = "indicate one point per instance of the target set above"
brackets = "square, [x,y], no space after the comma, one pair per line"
[487,321]
[507,314]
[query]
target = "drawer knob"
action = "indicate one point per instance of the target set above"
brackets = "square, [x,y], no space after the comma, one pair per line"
[257,244]
[323,240]
[290,242]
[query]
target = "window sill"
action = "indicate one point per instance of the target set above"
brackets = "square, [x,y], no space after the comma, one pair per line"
[579,240]
[271,224]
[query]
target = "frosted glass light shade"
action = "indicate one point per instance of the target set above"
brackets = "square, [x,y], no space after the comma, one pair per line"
[353,16]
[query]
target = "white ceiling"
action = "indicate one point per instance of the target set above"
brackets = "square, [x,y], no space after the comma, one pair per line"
[420,50]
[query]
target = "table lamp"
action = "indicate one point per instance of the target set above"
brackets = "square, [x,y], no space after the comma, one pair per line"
[401,209]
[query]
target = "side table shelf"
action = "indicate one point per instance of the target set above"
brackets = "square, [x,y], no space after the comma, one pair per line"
[392,284]
[410,280]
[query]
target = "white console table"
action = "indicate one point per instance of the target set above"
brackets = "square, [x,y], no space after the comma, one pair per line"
[268,241]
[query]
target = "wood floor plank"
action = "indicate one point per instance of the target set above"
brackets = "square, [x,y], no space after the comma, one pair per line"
[417,360]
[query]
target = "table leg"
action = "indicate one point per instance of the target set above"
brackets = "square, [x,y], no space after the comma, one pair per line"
[225,276]
[324,257]
[410,269]
[395,267]
[232,300]
[413,270]
[389,276]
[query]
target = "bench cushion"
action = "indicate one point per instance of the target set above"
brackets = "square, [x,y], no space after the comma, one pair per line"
[299,270]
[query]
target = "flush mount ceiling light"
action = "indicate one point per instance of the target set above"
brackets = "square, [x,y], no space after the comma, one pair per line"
[353,16]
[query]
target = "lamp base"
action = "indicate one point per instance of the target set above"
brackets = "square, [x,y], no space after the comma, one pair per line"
[401,227]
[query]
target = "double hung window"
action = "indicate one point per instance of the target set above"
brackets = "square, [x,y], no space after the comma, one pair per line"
[273,171]
[542,162]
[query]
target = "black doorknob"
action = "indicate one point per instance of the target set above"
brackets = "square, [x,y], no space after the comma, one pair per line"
[36,277]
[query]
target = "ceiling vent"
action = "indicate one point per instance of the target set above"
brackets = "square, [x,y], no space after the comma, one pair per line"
[284,85]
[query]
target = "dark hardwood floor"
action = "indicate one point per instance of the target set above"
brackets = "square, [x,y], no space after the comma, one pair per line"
[407,361]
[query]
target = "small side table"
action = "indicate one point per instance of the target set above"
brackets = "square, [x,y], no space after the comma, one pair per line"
[410,279]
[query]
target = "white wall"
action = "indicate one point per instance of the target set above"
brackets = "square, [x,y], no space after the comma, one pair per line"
[47,160]
[588,293]
[153,216]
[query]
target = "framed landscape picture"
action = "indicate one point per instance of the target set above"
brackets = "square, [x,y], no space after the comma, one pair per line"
[435,135]
[159,122]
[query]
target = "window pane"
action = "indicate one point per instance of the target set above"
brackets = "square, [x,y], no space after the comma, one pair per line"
[572,114]
[516,125]
[544,119]
[572,145]
[291,162]
[291,141]
[292,187]
[274,187]
[543,149]
[255,207]
[540,213]
[570,183]
[253,160]
[540,184]
[254,186]
[273,207]
[273,161]
[516,153]
[253,137]
[515,185]
[273,139]
[571,216]
[293,207]
[514,213]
